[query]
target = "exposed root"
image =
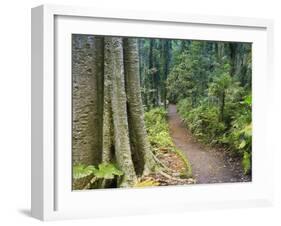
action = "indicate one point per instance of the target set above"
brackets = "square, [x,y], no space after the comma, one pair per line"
[161,163]
[88,186]
[175,178]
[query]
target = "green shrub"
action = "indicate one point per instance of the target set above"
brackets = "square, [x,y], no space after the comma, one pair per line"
[203,121]
[239,135]
[81,171]
[157,128]
[235,132]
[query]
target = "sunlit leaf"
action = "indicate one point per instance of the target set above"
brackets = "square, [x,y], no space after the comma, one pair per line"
[81,171]
[107,171]
[248,100]
[246,162]
[242,144]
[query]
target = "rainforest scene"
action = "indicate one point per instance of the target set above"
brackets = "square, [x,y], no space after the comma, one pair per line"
[150,112]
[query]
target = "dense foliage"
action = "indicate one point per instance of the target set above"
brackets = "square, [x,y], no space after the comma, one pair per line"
[157,128]
[97,175]
[211,84]
[213,99]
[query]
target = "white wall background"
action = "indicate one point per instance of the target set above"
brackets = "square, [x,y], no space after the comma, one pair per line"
[15,112]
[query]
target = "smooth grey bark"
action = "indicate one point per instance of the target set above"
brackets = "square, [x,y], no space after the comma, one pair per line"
[98,73]
[107,154]
[114,68]
[87,67]
[139,141]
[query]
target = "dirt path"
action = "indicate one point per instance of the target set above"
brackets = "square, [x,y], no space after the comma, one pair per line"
[208,165]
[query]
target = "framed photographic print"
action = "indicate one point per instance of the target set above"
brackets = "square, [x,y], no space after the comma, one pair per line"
[134,112]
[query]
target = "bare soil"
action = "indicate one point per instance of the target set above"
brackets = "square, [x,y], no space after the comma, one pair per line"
[209,165]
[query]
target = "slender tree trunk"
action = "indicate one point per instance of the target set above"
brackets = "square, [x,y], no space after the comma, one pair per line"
[138,136]
[222,107]
[220,51]
[114,68]
[166,58]
[151,66]
[233,60]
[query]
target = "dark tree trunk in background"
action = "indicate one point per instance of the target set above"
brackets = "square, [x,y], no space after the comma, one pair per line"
[233,58]
[220,51]
[166,60]
[152,74]
[222,107]
[150,59]
[143,70]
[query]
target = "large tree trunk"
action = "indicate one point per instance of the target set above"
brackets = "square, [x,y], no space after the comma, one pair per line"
[98,73]
[141,151]
[108,152]
[108,117]
[87,70]
[114,69]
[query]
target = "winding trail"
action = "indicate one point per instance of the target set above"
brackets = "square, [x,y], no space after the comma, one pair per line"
[209,165]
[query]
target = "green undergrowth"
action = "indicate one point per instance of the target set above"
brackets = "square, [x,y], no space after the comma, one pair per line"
[159,136]
[160,139]
[97,175]
[234,132]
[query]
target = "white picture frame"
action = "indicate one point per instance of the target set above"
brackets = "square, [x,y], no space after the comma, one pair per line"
[52,197]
